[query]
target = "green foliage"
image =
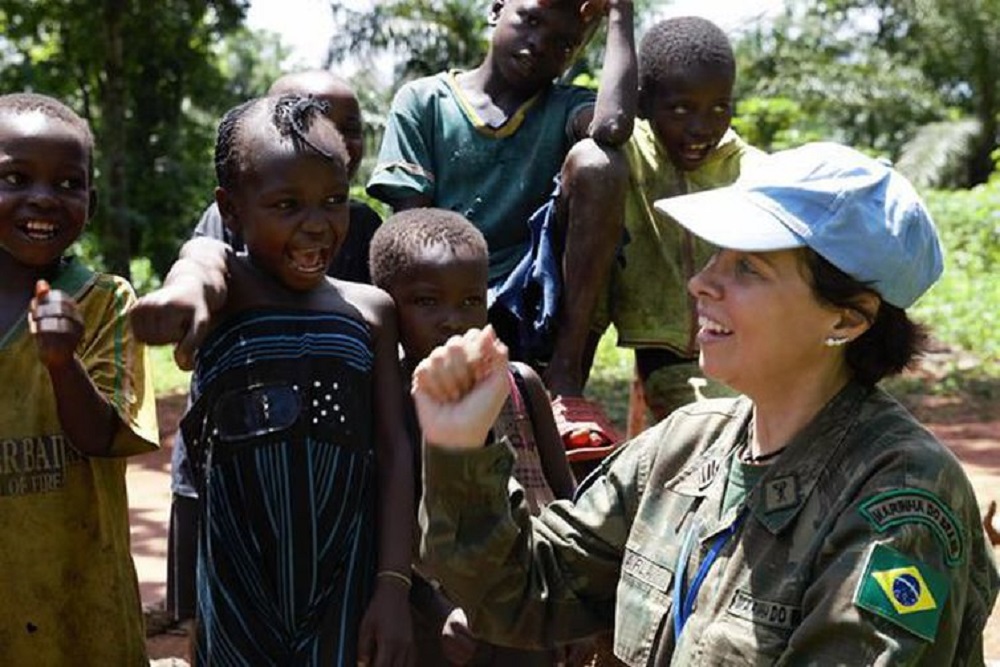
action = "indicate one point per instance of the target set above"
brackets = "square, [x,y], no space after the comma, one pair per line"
[167,378]
[775,123]
[425,37]
[611,377]
[144,277]
[844,88]
[152,78]
[937,153]
[962,308]
[870,72]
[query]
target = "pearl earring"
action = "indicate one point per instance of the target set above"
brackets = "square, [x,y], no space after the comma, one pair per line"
[835,341]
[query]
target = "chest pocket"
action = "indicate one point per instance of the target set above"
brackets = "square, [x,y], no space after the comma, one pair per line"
[644,601]
[645,590]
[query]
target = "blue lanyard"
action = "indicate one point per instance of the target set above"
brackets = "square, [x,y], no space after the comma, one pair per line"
[684,604]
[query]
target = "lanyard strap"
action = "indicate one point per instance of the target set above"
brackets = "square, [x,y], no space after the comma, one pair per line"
[684,604]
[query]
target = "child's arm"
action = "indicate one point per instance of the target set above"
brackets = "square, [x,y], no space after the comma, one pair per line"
[180,311]
[385,633]
[611,120]
[403,176]
[555,467]
[86,415]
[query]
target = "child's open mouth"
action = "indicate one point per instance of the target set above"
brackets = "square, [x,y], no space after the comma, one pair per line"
[695,152]
[310,260]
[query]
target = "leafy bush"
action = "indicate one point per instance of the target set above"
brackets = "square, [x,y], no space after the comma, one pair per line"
[963,309]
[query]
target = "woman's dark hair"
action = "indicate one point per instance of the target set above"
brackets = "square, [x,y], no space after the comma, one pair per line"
[892,343]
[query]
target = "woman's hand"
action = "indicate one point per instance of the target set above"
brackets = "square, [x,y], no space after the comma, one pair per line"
[460,387]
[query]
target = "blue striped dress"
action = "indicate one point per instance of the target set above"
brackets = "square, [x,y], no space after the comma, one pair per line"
[281,437]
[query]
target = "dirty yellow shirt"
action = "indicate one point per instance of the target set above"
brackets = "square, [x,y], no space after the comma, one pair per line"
[648,300]
[69,594]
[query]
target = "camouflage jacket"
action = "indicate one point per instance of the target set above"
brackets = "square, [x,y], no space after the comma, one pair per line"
[861,545]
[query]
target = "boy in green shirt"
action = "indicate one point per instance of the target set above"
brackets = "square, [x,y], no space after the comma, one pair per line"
[487,143]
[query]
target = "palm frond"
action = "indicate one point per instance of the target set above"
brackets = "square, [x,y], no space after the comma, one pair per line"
[938,154]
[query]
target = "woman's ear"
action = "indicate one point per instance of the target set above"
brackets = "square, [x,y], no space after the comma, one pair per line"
[227,210]
[858,318]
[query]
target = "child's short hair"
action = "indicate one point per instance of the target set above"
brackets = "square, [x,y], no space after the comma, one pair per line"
[53,108]
[293,117]
[397,243]
[681,43]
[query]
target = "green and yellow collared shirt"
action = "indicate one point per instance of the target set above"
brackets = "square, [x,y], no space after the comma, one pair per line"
[861,545]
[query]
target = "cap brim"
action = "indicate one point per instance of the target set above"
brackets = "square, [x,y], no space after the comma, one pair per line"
[730,218]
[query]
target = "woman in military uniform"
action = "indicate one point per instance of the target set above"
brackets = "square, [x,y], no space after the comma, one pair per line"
[810,521]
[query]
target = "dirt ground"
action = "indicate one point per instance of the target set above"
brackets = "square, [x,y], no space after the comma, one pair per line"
[969,423]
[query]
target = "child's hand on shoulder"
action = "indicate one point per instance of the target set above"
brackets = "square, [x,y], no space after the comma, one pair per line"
[56,325]
[460,387]
[176,313]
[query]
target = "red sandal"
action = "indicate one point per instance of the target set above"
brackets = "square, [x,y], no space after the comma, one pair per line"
[584,427]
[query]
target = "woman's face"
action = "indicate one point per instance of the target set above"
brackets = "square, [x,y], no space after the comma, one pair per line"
[761,328]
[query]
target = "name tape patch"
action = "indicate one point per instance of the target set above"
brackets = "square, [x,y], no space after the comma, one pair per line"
[764,612]
[647,571]
[901,506]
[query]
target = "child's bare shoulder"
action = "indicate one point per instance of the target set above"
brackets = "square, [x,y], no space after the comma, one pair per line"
[373,304]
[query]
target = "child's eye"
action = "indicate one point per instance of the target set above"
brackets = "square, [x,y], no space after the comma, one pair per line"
[424,301]
[336,200]
[13,178]
[721,109]
[473,301]
[284,204]
[679,110]
[71,184]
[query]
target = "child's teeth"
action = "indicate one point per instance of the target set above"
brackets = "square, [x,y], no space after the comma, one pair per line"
[40,228]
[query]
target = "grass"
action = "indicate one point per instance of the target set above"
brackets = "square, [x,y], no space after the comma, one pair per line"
[167,378]
[611,377]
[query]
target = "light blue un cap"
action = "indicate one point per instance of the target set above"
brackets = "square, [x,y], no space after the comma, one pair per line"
[858,213]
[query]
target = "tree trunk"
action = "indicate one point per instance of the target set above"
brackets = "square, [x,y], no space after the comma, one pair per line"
[115,238]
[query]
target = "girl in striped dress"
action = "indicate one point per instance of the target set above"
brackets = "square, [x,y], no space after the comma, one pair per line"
[296,429]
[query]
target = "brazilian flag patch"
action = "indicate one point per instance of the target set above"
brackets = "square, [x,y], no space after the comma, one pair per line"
[903,591]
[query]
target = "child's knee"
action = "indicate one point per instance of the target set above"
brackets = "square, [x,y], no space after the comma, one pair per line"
[597,168]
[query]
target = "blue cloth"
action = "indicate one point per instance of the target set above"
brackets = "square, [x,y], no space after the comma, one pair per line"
[530,293]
